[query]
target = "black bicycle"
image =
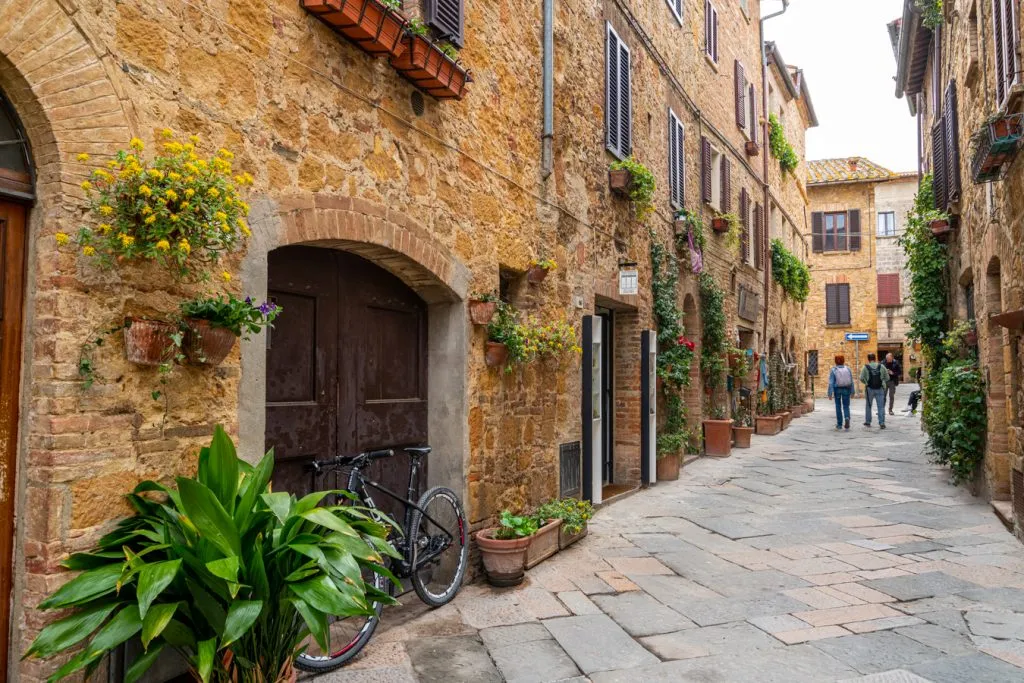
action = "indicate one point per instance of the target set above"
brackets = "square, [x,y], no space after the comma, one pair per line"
[434,549]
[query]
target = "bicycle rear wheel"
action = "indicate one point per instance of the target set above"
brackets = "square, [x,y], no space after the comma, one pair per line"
[439,538]
[346,635]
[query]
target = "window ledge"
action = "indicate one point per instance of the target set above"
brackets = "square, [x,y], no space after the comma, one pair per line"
[838,326]
[713,63]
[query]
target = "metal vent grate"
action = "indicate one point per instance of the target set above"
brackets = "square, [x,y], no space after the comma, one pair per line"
[569,469]
[1017,493]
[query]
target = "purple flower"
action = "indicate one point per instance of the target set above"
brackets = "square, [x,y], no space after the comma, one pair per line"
[248,300]
[266,307]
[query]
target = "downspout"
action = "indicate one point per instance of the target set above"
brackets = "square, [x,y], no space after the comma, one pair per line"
[547,139]
[766,211]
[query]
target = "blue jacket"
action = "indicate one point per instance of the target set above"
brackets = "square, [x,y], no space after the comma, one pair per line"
[832,382]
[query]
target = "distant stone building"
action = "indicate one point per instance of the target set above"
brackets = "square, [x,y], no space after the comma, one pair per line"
[858,280]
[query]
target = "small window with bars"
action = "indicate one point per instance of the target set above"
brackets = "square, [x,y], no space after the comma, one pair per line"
[886,223]
[837,304]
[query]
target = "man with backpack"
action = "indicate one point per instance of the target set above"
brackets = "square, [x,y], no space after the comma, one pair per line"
[871,376]
[840,385]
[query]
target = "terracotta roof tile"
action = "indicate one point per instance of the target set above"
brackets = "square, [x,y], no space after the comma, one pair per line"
[846,170]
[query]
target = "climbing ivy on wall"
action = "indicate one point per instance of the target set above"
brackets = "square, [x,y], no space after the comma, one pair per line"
[790,272]
[779,145]
[714,342]
[675,351]
[931,12]
[956,419]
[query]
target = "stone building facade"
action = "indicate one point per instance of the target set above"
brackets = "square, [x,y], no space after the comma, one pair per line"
[378,209]
[955,75]
[851,261]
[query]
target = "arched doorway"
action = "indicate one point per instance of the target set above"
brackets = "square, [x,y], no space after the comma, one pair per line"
[346,366]
[16,194]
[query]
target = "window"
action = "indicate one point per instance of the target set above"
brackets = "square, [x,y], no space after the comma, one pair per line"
[752,96]
[759,236]
[1004,33]
[710,31]
[677,9]
[676,167]
[741,96]
[618,118]
[716,177]
[946,153]
[886,223]
[717,170]
[969,300]
[837,304]
[835,231]
[745,222]
[445,16]
[745,6]
[889,289]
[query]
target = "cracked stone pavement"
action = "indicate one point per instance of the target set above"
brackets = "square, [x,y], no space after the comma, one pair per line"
[813,556]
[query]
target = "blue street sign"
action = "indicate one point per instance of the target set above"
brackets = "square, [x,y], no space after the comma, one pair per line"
[857,336]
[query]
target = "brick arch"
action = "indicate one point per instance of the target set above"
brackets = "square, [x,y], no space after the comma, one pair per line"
[386,237]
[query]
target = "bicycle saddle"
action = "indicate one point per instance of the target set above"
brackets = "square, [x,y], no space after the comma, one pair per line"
[418,451]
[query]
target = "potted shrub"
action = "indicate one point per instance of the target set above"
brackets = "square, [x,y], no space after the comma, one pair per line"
[539,269]
[632,179]
[766,423]
[743,427]
[670,445]
[713,356]
[787,417]
[718,433]
[218,568]
[149,342]
[503,335]
[503,548]
[482,307]
[375,26]
[431,67]
[212,324]
[574,515]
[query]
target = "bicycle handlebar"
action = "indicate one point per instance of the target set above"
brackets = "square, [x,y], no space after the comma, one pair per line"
[365,456]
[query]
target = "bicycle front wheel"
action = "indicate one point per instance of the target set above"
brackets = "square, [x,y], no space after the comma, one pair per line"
[439,538]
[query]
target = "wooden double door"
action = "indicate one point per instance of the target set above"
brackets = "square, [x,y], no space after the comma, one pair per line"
[346,366]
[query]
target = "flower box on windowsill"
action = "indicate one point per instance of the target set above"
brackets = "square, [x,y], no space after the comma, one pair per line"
[994,146]
[370,25]
[752,148]
[940,229]
[719,224]
[428,68]
[620,180]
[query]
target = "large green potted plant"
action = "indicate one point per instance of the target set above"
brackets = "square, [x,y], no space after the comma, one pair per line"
[713,357]
[503,548]
[233,576]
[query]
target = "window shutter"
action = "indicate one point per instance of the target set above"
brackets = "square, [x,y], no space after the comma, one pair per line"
[759,236]
[1004,25]
[939,181]
[611,100]
[831,304]
[854,229]
[753,114]
[1010,10]
[705,169]
[447,17]
[817,232]
[726,184]
[676,165]
[952,130]
[844,304]
[709,44]
[714,33]
[745,222]
[889,289]
[999,39]
[625,101]
[741,95]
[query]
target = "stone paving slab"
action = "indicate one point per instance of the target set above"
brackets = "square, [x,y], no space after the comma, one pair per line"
[596,643]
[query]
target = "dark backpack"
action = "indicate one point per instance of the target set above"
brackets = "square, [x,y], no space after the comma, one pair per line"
[874,377]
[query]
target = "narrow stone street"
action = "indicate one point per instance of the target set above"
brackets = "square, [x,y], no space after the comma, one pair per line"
[813,556]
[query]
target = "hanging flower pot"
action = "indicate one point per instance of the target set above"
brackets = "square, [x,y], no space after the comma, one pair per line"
[367,23]
[423,64]
[206,344]
[481,312]
[971,338]
[495,354]
[620,180]
[940,229]
[752,148]
[535,275]
[719,224]
[148,342]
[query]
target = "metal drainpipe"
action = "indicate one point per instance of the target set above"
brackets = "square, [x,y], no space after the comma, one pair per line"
[547,161]
[766,212]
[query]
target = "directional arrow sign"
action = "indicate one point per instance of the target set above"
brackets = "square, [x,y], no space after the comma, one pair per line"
[857,336]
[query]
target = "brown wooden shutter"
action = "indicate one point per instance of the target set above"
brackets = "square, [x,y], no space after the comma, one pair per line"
[705,169]
[754,125]
[844,304]
[831,304]
[741,95]
[726,184]
[759,236]
[939,182]
[854,229]
[889,289]
[611,99]
[447,17]
[745,222]
[817,232]
[952,130]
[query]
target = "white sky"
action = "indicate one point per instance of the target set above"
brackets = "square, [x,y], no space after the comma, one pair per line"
[844,49]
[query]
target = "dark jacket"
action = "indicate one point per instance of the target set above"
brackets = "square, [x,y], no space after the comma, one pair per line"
[895,369]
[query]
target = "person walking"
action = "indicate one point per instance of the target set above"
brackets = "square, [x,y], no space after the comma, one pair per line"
[840,386]
[871,378]
[895,372]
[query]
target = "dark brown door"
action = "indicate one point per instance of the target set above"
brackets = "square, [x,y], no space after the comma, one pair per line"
[12,278]
[346,365]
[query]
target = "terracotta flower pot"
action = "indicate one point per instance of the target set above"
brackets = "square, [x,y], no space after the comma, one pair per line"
[971,338]
[718,437]
[620,180]
[424,65]
[741,436]
[148,342]
[808,406]
[367,23]
[481,312]
[565,539]
[535,275]
[504,561]
[668,467]
[752,148]
[787,417]
[768,425]
[797,410]
[206,344]
[495,354]
[719,225]
[544,543]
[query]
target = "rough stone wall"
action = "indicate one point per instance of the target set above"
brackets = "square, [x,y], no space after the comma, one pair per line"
[857,268]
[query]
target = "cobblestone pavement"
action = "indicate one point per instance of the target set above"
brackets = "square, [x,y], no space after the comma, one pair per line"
[813,556]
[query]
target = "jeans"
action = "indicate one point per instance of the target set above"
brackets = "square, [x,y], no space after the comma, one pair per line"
[842,398]
[878,397]
[890,388]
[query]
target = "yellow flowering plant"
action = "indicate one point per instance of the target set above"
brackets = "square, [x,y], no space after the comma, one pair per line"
[178,209]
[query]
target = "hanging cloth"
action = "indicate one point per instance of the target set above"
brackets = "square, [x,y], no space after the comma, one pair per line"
[762,380]
[696,258]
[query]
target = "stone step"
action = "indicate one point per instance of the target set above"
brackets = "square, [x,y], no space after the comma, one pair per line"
[1004,511]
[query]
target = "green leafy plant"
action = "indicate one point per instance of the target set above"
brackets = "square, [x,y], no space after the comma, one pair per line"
[931,12]
[776,402]
[742,417]
[512,526]
[485,297]
[416,27]
[714,341]
[695,226]
[393,5]
[742,364]
[642,187]
[527,341]
[957,419]
[573,512]
[734,234]
[780,147]
[241,318]
[927,259]
[448,50]
[231,575]
[545,263]
[790,272]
